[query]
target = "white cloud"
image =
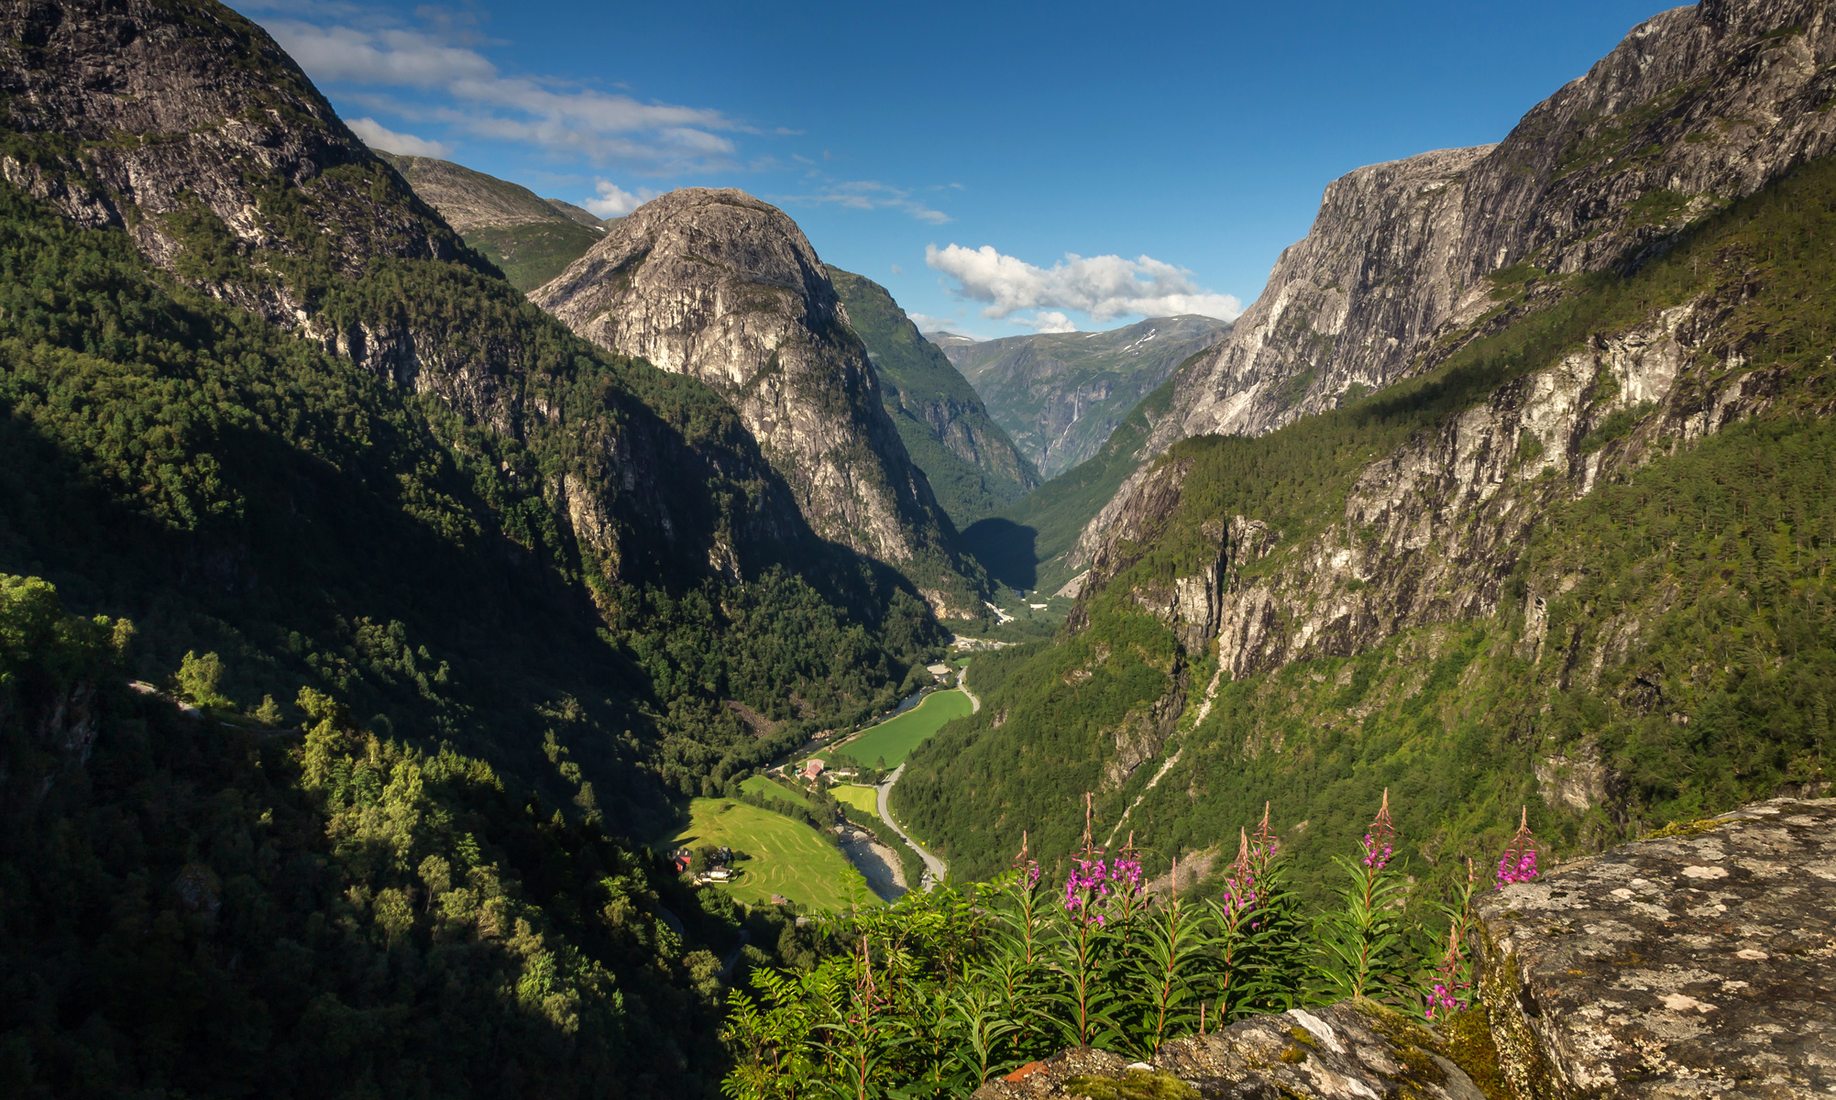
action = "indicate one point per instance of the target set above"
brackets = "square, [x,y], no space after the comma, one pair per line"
[1047,321]
[378,136]
[866,195]
[614,201]
[1105,287]
[928,323]
[488,103]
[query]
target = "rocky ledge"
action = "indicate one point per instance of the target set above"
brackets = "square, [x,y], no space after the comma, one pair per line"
[1698,963]
[1344,1052]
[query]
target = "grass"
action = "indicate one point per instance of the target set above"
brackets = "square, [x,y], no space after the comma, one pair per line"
[865,799]
[771,788]
[894,739]
[780,856]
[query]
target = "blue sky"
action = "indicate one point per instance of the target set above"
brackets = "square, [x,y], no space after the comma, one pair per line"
[1001,168]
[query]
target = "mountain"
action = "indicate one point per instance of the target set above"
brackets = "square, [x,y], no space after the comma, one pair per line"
[1570,548]
[1696,108]
[578,215]
[351,609]
[530,239]
[1060,394]
[726,289]
[972,465]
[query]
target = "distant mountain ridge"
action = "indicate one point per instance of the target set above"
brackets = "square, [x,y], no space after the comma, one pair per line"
[972,464]
[530,238]
[1061,394]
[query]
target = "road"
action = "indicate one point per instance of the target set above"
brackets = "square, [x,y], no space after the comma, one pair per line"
[934,868]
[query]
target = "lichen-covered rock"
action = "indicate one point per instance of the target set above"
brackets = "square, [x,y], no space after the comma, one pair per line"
[1696,964]
[1344,1052]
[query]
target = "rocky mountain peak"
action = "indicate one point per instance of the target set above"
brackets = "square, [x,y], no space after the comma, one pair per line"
[724,287]
[1695,108]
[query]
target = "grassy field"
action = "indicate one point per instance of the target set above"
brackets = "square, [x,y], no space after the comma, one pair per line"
[861,798]
[895,738]
[783,856]
[771,788]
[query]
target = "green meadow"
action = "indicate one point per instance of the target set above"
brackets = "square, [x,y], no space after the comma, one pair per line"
[781,857]
[894,739]
[861,798]
[767,787]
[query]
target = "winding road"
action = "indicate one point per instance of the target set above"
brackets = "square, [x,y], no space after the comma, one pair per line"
[934,869]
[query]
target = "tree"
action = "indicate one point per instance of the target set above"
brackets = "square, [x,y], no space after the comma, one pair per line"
[198,678]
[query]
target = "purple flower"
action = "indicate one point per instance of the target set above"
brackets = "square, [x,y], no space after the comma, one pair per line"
[1518,864]
[1442,999]
[1379,841]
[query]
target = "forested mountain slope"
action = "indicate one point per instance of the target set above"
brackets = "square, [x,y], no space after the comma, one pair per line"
[268,404]
[1583,560]
[197,909]
[447,596]
[972,465]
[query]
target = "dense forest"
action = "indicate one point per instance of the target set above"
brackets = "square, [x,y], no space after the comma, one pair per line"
[195,906]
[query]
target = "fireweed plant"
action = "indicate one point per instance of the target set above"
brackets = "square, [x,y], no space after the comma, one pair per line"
[945,990]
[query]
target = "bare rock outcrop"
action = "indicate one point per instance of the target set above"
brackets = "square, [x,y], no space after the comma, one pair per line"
[723,287]
[1700,963]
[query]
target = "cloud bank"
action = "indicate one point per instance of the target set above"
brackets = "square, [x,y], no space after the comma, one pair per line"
[378,136]
[488,103]
[1105,287]
[613,201]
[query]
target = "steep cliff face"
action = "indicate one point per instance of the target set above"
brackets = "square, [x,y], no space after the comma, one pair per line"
[136,115]
[972,465]
[1696,108]
[725,288]
[1344,307]
[274,397]
[1061,394]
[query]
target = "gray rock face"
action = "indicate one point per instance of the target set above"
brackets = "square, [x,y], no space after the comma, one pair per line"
[170,111]
[721,286]
[1431,532]
[1697,965]
[1697,107]
[1346,307]
[185,126]
[1343,1052]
